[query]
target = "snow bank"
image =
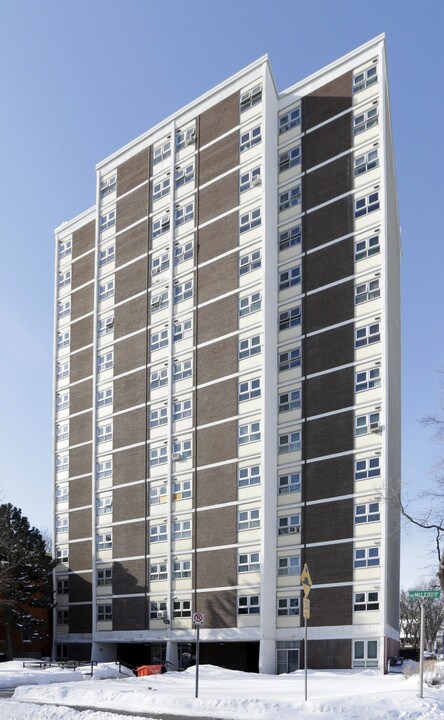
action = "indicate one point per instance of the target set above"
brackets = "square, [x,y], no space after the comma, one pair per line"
[13,674]
[23,711]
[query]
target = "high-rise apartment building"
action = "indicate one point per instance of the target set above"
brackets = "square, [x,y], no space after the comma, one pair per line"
[227,382]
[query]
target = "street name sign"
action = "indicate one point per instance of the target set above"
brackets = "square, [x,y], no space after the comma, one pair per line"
[424,593]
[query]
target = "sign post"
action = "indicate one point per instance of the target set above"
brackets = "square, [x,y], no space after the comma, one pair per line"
[198,620]
[306,583]
[421,595]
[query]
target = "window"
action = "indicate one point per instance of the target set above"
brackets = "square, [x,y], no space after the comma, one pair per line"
[156,608]
[62,493]
[181,529]
[184,175]
[62,525]
[289,565]
[290,277]
[158,378]
[62,463]
[250,346]
[161,188]
[64,278]
[367,423]
[365,79]
[62,432]
[249,389]
[290,238]
[161,152]
[158,571]
[158,533]
[366,248]
[368,379]
[249,304]
[158,494]
[185,137]
[159,263]
[249,519]
[367,557]
[290,400]
[160,225]
[62,617]
[249,179]
[104,613]
[367,468]
[104,397]
[182,608]
[107,255]
[105,325]
[183,252]
[65,248]
[62,586]
[104,577]
[249,433]
[290,359]
[158,417]
[367,513]
[104,433]
[290,318]
[158,455]
[251,261]
[105,361]
[183,291]
[365,653]
[62,554]
[248,562]
[105,541]
[108,185]
[289,198]
[63,309]
[107,220]
[367,291]
[181,490]
[367,335]
[106,290]
[365,120]
[289,524]
[289,483]
[63,339]
[290,120]
[159,301]
[250,98]
[182,448]
[104,468]
[158,339]
[365,162]
[182,409]
[289,158]
[183,330]
[248,476]
[366,601]
[104,505]
[184,213]
[288,606]
[182,369]
[250,138]
[367,204]
[248,605]
[181,569]
[250,220]
[62,370]
[62,400]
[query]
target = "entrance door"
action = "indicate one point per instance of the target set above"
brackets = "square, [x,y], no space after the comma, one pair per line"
[287,660]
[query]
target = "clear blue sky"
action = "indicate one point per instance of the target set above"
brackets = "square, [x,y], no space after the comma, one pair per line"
[78,80]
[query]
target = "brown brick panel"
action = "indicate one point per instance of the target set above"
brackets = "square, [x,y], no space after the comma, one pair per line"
[81,365]
[129,390]
[132,207]
[216,485]
[80,460]
[129,428]
[80,555]
[80,619]
[218,237]
[82,302]
[80,428]
[329,265]
[330,606]
[328,223]
[129,465]
[129,540]
[219,318]
[332,563]
[82,333]
[216,527]
[328,182]
[129,613]
[219,608]
[79,651]
[328,521]
[130,317]
[327,654]
[80,522]
[330,349]
[217,360]
[80,493]
[219,158]
[329,307]
[131,280]
[217,443]
[129,577]
[329,435]
[83,239]
[219,197]
[328,141]
[80,588]
[325,102]
[82,271]
[129,502]
[216,568]
[330,392]
[132,172]
[217,278]
[130,353]
[132,243]
[219,119]
[329,478]
[81,397]
[217,402]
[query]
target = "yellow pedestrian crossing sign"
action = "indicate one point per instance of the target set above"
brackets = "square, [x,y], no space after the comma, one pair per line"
[306,580]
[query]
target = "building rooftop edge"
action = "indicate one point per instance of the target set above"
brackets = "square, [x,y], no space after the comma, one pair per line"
[85,215]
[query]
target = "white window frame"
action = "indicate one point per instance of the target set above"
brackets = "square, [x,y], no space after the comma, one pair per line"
[158,416]
[290,198]
[105,325]
[108,185]
[104,432]
[182,569]
[365,120]
[183,290]
[367,657]
[367,247]
[249,432]
[290,277]
[158,455]
[290,120]
[106,289]
[182,489]
[62,369]
[367,379]
[250,262]
[367,204]
[62,431]
[183,448]
[365,162]
[248,604]
[161,188]
[184,213]
[107,220]
[63,308]
[249,138]
[288,359]
[182,409]
[160,225]
[249,476]
[107,255]
[368,512]
[158,339]
[250,304]
[181,608]
[365,78]
[62,493]
[104,504]
[104,612]
[290,400]
[289,524]
[365,424]
[62,400]
[105,540]
[248,562]
[249,519]
[64,279]
[291,317]
[289,565]
[65,248]
[104,577]
[288,606]
[250,98]
[249,179]
[365,601]
[158,377]
[182,330]
[182,369]
[158,571]
[184,175]
[289,158]
[158,533]
[368,290]
[291,237]
[185,137]
[367,335]
[63,339]
[367,468]
[181,529]
[250,346]
[183,251]
[249,389]
[104,468]
[367,557]
[158,494]
[161,151]
[105,396]
[105,361]
[289,482]
[250,220]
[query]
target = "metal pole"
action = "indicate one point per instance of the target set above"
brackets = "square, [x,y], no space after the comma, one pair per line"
[421,650]
[196,694]
[305,655]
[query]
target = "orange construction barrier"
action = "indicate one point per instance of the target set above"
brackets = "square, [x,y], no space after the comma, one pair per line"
[144,670]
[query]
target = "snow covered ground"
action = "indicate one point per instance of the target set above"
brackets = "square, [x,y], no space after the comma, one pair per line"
[342,694]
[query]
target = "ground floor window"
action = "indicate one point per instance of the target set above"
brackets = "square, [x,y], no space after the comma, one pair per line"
[287,656]
[61,652]
[365,653]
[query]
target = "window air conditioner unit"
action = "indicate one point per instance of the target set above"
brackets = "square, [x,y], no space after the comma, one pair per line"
[257,180]
[176,456]
[156,271]
[191,139]
[109,322]
[155,300]
[294,529]
[165,220]
[376,429]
